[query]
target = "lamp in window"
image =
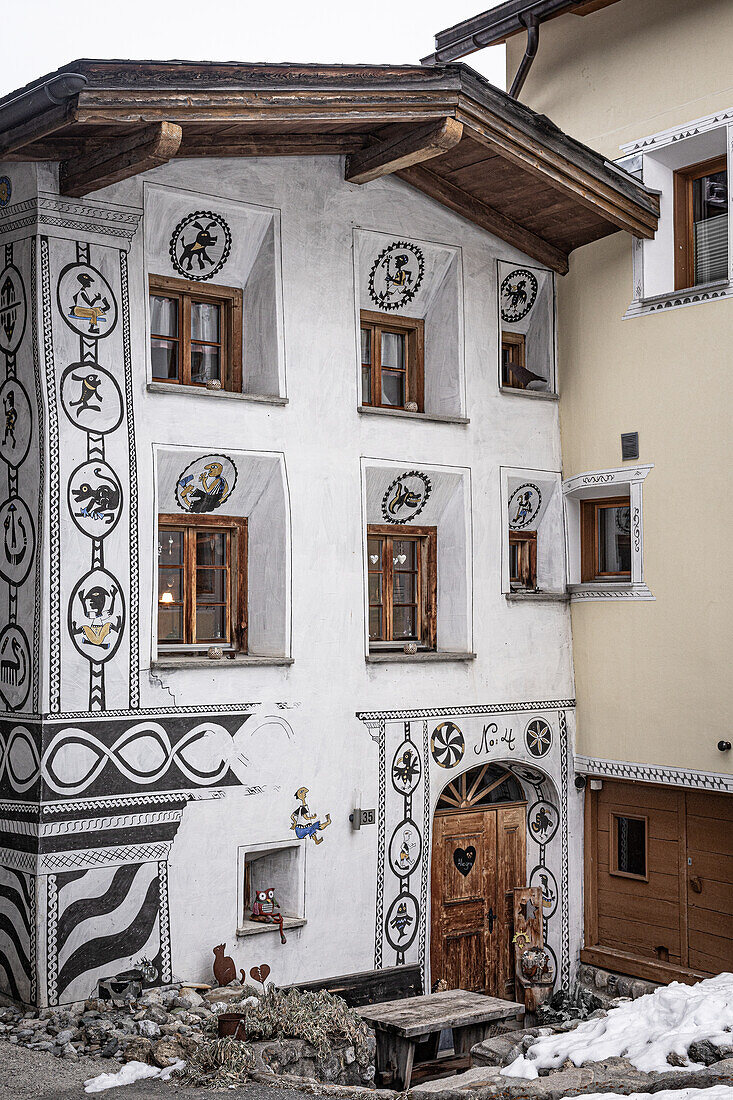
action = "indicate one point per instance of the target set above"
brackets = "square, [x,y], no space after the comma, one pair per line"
[166,597]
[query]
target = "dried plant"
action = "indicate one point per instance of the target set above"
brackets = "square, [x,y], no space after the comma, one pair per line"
[318,1018]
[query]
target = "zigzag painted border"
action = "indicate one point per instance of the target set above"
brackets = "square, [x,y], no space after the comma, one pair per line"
[655,773]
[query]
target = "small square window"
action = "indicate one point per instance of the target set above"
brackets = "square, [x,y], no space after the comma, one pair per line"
[523,560]
[392,361]
[514,373]
[605,536]
[701,223]
[402,582]
[195,333]
[629,846]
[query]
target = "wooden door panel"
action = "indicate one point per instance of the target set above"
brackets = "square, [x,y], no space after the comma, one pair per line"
[707,834]
[465,963]
[718,806]
[511,849]
[718,948]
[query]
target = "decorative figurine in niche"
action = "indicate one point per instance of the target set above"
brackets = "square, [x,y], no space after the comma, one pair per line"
[266,910]
[224,969]
[303,823]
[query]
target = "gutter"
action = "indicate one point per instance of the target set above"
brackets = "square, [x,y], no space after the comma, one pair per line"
[34,101]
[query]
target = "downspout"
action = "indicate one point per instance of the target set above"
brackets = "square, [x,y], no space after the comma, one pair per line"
[532,24]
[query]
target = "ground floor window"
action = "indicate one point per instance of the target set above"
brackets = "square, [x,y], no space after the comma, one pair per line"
[402,566]
[202,582]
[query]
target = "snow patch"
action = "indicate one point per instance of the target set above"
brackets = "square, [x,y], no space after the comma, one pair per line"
[645,1030]
[131,1072]
[714,1092]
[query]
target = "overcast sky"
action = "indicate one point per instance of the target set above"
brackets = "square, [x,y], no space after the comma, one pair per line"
[39,36]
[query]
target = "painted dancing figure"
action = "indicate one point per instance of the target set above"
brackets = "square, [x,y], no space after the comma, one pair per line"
[101,618]
[524,506]
[11,418]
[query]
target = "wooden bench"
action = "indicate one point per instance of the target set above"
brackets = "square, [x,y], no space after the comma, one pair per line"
[370,987]
[401,1024]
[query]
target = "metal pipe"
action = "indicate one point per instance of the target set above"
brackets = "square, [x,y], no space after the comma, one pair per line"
[31,102]
[533,40]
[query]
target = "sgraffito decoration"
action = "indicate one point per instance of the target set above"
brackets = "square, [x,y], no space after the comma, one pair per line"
[396,275]
[542,821]
[406,497]
[13,309]
[447,745]
[6,190]
[200,245]
[405,850]
[15,422]
[97,615]
[86,301]
[206,483]
[538,737]
[546,881]
[305,824]
[95,498]
[16,932]
[524,504]
[517,294]
[17,541]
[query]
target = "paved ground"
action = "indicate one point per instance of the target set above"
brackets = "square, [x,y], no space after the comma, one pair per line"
[37,1075]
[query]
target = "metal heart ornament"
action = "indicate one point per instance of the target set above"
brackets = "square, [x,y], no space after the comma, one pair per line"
[464,859]
[260,973]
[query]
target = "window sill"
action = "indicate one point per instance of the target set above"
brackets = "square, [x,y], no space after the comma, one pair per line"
[540,395]
[171,663]
[609,591]
[674,299]
[538,597]
[201,391]
[371,410]
[256,928]
[396,656]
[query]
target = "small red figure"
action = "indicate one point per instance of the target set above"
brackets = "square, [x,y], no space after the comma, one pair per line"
[267,910]
[224,969]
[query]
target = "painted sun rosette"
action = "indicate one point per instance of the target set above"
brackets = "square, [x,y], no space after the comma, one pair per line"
[206,483]
[396,275]
[447,745]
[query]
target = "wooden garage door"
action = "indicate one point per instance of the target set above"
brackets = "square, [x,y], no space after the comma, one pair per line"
[676,914]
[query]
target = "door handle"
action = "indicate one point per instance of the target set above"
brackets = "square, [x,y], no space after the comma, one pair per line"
[491,917]
[696,883]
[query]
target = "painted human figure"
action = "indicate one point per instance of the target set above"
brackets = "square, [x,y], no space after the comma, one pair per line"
[305,824]
[402,276]
[89,392]
[406,850]
[15,540]
[524,507]
[266,910]
[102,620]
[11,417]
[214,489]
[88,307]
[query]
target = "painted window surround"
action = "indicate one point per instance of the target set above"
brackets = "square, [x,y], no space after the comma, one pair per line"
[593,485]
[654,159]
[547,290]
[282,866]
[551,569]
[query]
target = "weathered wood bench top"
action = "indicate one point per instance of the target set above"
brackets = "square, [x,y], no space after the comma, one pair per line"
[454,1008]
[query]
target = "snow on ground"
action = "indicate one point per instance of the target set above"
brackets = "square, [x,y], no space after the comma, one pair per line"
[715,1092]
[645,1031]
[138,1071]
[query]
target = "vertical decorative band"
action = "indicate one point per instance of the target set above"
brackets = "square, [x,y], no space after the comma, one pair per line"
[54,525]
[166,974]
[425,853]
[380,845]
[41,452]
[133,618]
[52,920]
[564,893]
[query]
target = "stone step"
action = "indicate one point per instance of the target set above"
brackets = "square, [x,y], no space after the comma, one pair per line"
[447,1087]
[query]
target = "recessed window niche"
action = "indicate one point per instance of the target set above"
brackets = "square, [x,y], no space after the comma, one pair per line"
[527,328]
[533,553]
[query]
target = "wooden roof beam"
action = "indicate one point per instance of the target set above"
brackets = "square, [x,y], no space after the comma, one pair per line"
[137,152]
[399,152]
[485,216]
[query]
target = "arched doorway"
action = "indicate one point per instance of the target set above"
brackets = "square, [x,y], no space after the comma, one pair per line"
[479,857]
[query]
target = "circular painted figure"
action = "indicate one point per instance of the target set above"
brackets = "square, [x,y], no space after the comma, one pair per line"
[95,498]
[447,745]
[524,504]
[15,422]
[401,922]
[17,541]
[406,768]
[200,245]
[538,737]
[546,881]
[405,848]
[91,398]
[542,821]
[206,483]
[86,301]
[13,310]
[406,497]
[96,617]
[396,275]
[517,295]
[15,667]
[6,190]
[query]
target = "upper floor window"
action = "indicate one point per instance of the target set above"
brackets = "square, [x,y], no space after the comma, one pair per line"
[392,361]
[202,583]
[701,223]
[523,560]
[605,537]
[195,333]
[402,585]
[527,324]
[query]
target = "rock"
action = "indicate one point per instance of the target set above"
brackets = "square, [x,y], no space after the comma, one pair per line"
[156,1013]
[639,989]
[111,1047]
[139,1050]
[703,1051]
[166,1052]
[674,1059]
[149,1029]
[189,998]
[496,1051]
[448,1088]
[69,1052]
[64,1037]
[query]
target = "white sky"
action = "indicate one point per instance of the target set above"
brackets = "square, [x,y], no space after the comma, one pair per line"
[38,36]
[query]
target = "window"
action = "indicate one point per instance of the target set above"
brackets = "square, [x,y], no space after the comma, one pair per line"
[523,559]
[701,223]
[195,333]
[513,370]
[202,571]
[402,585]
[392,354]
[628,846]
[605,539]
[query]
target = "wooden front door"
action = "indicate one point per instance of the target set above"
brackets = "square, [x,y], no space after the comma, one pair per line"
[478,857]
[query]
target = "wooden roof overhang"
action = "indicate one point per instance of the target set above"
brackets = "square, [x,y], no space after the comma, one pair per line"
[444,130]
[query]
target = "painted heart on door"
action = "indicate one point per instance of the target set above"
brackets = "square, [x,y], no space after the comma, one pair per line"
[464,859]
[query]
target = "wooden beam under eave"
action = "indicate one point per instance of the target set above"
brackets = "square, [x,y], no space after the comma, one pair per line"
[103,165]
[269,145]
[485,217]
[400,152]
[36,128]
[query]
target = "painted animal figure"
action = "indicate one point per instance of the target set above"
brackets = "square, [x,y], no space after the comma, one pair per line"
[100,502]
[224,969]
[401,920]
[267,911]
[406,768]
[11,417]
[403,498]
[541,822]
[90,384]
[16,537]
[516,294]
[197,248]
[13,669]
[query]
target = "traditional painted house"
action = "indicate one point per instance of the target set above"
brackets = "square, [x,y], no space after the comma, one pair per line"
[283,529]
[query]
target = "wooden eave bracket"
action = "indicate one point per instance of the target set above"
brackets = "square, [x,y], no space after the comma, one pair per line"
[397,153]
[99,166]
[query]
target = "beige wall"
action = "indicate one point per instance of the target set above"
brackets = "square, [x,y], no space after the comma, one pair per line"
[653,680]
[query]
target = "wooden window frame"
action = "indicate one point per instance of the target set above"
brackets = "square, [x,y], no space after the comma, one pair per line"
[427,584]
[613,868]
[414,330]
[518,341]
[230,299]
[237,593]
[589,549]
[684,250]
[528,540]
